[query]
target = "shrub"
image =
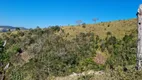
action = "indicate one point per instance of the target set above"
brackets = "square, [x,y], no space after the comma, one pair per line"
[21,33]
[108,25]
[109,33]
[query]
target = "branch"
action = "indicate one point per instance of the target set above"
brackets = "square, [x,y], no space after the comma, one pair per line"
[4,43]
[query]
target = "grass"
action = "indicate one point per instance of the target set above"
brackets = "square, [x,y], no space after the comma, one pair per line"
[117,28]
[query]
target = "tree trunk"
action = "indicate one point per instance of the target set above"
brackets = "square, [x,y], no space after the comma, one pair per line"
[139,42]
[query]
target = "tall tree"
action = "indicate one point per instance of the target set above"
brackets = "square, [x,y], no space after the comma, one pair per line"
[79,22]
[95,19]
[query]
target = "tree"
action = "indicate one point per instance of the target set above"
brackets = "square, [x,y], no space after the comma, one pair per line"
[37,27]
[17,28]
[95,19]
[139,43]
[9,30]
[79,22]
[55,28]
[83,25]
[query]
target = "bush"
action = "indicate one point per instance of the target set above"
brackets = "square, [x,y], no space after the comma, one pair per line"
[109,33]
[108,25]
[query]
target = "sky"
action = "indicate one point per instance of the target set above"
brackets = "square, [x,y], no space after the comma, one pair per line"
[44,13]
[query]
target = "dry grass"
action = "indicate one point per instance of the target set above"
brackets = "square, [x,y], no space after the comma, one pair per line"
[117,28]
[25,56]
[100,59]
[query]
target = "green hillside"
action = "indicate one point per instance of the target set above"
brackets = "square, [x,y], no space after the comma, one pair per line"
[51,53]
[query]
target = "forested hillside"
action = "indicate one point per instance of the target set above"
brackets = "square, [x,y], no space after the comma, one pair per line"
[49,53]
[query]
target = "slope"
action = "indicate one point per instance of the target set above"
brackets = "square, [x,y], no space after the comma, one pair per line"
[40,54]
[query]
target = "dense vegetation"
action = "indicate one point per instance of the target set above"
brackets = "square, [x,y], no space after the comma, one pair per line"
[39,54]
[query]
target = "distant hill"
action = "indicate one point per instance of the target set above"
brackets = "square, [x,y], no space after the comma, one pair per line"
[6,28]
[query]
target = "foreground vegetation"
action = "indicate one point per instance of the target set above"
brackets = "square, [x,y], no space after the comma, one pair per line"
[40,54]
